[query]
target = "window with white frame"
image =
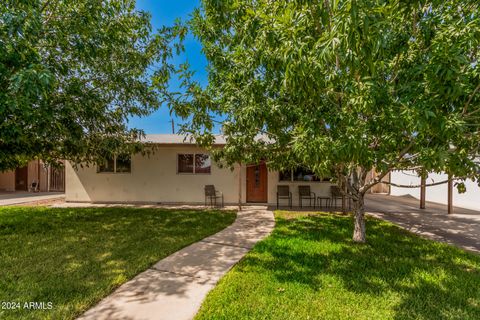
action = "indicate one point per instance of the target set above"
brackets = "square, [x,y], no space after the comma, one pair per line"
[117,164]
[194,163]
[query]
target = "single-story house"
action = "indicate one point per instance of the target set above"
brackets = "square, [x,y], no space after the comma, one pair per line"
[177,172]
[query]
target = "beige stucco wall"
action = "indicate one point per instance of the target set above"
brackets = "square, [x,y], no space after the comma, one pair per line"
[7,181]
[154,179]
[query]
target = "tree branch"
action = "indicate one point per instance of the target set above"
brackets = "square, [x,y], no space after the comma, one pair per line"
[470,100]
[45,5]
[379,178]
[415,186]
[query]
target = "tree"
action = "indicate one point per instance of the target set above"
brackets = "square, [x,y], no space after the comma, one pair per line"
[72,73]
[340,86]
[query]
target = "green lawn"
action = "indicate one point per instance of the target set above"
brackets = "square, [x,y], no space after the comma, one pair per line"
[74,257]
[310,269]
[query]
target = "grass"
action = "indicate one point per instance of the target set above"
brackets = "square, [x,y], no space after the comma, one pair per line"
[309,268]
[74,257]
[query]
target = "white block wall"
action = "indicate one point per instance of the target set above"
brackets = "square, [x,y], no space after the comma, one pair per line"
[439,194]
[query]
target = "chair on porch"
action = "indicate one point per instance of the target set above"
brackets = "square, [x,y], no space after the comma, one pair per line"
[304,193]
[283,192]
[212,194]
[336,193]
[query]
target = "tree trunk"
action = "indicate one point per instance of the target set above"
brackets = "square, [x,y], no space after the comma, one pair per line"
[359,234]
[356,187]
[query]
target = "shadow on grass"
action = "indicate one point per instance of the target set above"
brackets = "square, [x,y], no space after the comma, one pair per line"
[428,280]
[73,257]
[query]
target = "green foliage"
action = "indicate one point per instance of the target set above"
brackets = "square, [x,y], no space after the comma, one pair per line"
[340,85]
[73,257]
[71,74]
[308,268]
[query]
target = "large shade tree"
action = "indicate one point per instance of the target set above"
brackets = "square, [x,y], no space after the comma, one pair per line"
[341,87]
[71,74]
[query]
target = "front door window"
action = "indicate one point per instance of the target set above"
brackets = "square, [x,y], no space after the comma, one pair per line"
[257,176]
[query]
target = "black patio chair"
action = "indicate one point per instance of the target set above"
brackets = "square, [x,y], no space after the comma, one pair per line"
[336,193]
[212,194]
[283,192]
[304,193]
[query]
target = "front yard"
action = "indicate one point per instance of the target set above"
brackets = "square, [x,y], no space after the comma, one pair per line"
[72,258]
[310,269]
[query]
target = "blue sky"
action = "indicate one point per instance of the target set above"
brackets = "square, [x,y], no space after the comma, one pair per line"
[164,12]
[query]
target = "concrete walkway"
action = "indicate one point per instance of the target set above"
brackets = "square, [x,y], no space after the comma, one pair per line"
[462,228]
[13,198]
[175,287]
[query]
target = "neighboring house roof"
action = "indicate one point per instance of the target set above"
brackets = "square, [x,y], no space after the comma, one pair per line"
[178,139]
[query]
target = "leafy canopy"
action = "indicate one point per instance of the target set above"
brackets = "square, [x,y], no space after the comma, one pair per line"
[340,85]
[71,74]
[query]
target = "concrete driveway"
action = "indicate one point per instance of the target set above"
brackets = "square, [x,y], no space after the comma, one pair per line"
[462,228]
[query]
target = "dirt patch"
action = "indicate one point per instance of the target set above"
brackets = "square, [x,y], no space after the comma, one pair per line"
[299,214]
[42,203]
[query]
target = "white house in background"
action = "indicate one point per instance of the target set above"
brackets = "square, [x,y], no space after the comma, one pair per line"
[468,200]
[177,172]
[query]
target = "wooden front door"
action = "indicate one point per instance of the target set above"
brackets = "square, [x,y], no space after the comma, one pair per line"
[21,179]
[257,180]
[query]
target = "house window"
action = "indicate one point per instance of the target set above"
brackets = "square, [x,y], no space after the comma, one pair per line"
[185,163]
[303,174]
[202,163]
[194,163]
[123,164]
[107,166]
[286,175]
[117,164]
[300,174]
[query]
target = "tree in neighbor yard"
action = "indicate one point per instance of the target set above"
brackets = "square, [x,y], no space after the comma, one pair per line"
[341,87]
[71,74]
